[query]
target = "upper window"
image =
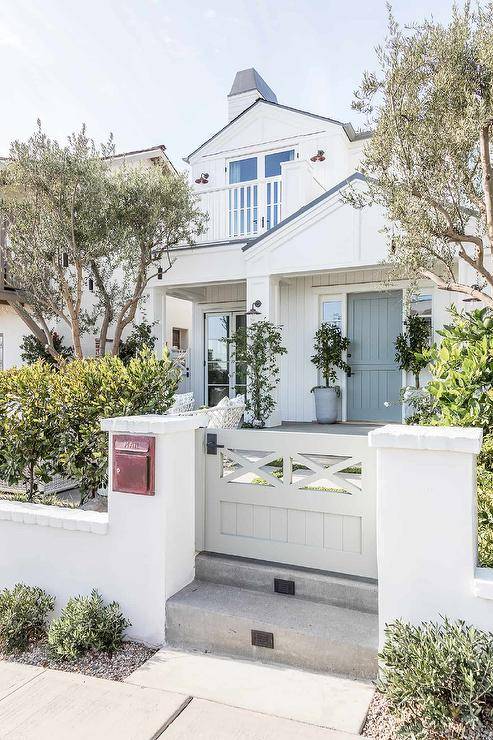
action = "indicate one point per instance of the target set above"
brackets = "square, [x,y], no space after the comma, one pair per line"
[243,170]
[273,162]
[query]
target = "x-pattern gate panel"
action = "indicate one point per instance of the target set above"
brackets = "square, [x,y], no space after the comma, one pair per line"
[293,497]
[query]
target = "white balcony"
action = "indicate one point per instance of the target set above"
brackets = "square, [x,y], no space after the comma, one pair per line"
[245,210]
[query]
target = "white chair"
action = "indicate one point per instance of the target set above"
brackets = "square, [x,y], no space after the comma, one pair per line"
[227,414]
[183,404]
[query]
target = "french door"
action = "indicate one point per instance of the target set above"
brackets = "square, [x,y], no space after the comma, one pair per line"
[224,377]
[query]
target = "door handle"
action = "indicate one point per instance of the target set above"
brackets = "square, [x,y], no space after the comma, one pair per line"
[349,373]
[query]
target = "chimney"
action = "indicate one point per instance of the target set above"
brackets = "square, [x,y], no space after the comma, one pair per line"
[247,88]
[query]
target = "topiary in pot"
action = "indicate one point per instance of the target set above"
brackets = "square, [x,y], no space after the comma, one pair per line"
[328,350]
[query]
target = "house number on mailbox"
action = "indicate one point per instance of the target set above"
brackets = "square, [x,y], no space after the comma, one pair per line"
[134,464]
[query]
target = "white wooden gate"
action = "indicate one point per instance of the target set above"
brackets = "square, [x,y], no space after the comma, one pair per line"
[292,497]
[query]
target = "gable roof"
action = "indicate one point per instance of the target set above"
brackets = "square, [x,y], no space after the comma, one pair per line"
[249,79]
[305,208]
[348,128]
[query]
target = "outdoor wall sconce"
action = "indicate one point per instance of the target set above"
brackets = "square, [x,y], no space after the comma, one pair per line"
[253,311]
[90,284]
[65,259]
[318,157]
[203,179]
[159,273]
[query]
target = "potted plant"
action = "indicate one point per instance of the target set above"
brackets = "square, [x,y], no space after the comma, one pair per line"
[329,345]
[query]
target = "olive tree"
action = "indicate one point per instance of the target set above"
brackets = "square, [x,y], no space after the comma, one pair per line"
[428,162]
[84,237]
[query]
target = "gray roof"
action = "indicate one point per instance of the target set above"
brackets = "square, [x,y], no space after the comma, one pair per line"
[307,207]
[249,79]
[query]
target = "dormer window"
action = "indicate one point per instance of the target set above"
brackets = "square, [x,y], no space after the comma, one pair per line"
[243,170]
[273,162]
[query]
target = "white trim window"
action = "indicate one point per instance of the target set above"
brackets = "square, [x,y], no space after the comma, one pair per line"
[421,304]
[332,311]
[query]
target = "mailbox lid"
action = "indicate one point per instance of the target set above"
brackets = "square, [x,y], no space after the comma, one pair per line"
[133,443]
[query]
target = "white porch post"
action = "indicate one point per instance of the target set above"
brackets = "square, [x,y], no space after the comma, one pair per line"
[158,303]
[266,289]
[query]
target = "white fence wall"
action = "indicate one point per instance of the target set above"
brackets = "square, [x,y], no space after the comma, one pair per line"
[426,526]
[140,553]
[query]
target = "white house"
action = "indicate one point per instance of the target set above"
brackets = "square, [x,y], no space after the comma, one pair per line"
[271,181]
[179,312]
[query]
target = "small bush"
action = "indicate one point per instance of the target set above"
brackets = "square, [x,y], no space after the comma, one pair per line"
[87,623]
[23,612]
[437,678]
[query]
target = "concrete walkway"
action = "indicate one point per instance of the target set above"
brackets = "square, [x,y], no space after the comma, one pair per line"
[43,704]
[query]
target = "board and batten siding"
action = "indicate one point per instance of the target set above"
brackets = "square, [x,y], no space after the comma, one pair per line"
[299,318]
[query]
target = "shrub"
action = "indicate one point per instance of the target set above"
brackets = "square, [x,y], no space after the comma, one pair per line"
[411,344]
[90,390]
[32,350]
[437,678]
[140,337]
[462,371]
[23,612]
[87,623]
[257,349]
[29,426]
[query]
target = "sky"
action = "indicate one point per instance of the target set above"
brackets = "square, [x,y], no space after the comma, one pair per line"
[158,72]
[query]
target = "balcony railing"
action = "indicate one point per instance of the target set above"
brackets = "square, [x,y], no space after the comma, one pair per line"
[243,210]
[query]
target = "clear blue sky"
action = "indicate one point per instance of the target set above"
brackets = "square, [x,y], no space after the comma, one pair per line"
[156,71]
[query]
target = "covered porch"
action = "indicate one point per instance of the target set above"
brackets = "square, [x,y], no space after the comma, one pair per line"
[359,301]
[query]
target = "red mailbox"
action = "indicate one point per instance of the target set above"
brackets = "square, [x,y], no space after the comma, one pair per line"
[133,464]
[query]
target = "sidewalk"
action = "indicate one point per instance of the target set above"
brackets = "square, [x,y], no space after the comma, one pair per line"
[43,704]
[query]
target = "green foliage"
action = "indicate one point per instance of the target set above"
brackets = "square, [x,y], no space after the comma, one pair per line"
[257,349]
[23,613]
[140,337]
[90,390]
[73,217]
[462,371]
[33,350]
[430,107]
[87,623]
[410,345]
[50,421]
[329,345]
[29,425]
[437,678]
[485,516]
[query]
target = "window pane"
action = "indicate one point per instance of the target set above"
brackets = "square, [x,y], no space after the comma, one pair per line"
[216,393]
[243,170]
[421,305]
[273,162]
[332,312]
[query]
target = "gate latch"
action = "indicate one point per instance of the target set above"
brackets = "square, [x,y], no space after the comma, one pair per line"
[212,444]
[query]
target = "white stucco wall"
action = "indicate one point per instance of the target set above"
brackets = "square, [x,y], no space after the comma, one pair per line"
[13,329]
[426,527]
[139,554]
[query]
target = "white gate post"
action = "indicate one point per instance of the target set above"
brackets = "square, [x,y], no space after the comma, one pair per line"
[153,536]
[426,523]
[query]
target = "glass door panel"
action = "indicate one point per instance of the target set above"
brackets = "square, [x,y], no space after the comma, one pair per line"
[217,359]
[223,376]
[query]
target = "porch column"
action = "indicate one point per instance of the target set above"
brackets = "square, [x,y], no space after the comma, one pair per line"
[158,309]
[266,289]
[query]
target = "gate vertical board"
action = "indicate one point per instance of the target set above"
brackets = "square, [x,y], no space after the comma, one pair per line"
[306,510]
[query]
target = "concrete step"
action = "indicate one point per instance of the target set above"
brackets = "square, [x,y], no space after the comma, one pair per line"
[316,585]
[219,619]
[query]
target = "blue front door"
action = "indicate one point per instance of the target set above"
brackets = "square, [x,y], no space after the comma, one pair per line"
[373,388]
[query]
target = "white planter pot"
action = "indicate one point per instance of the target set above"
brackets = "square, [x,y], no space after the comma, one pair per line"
[326,404]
